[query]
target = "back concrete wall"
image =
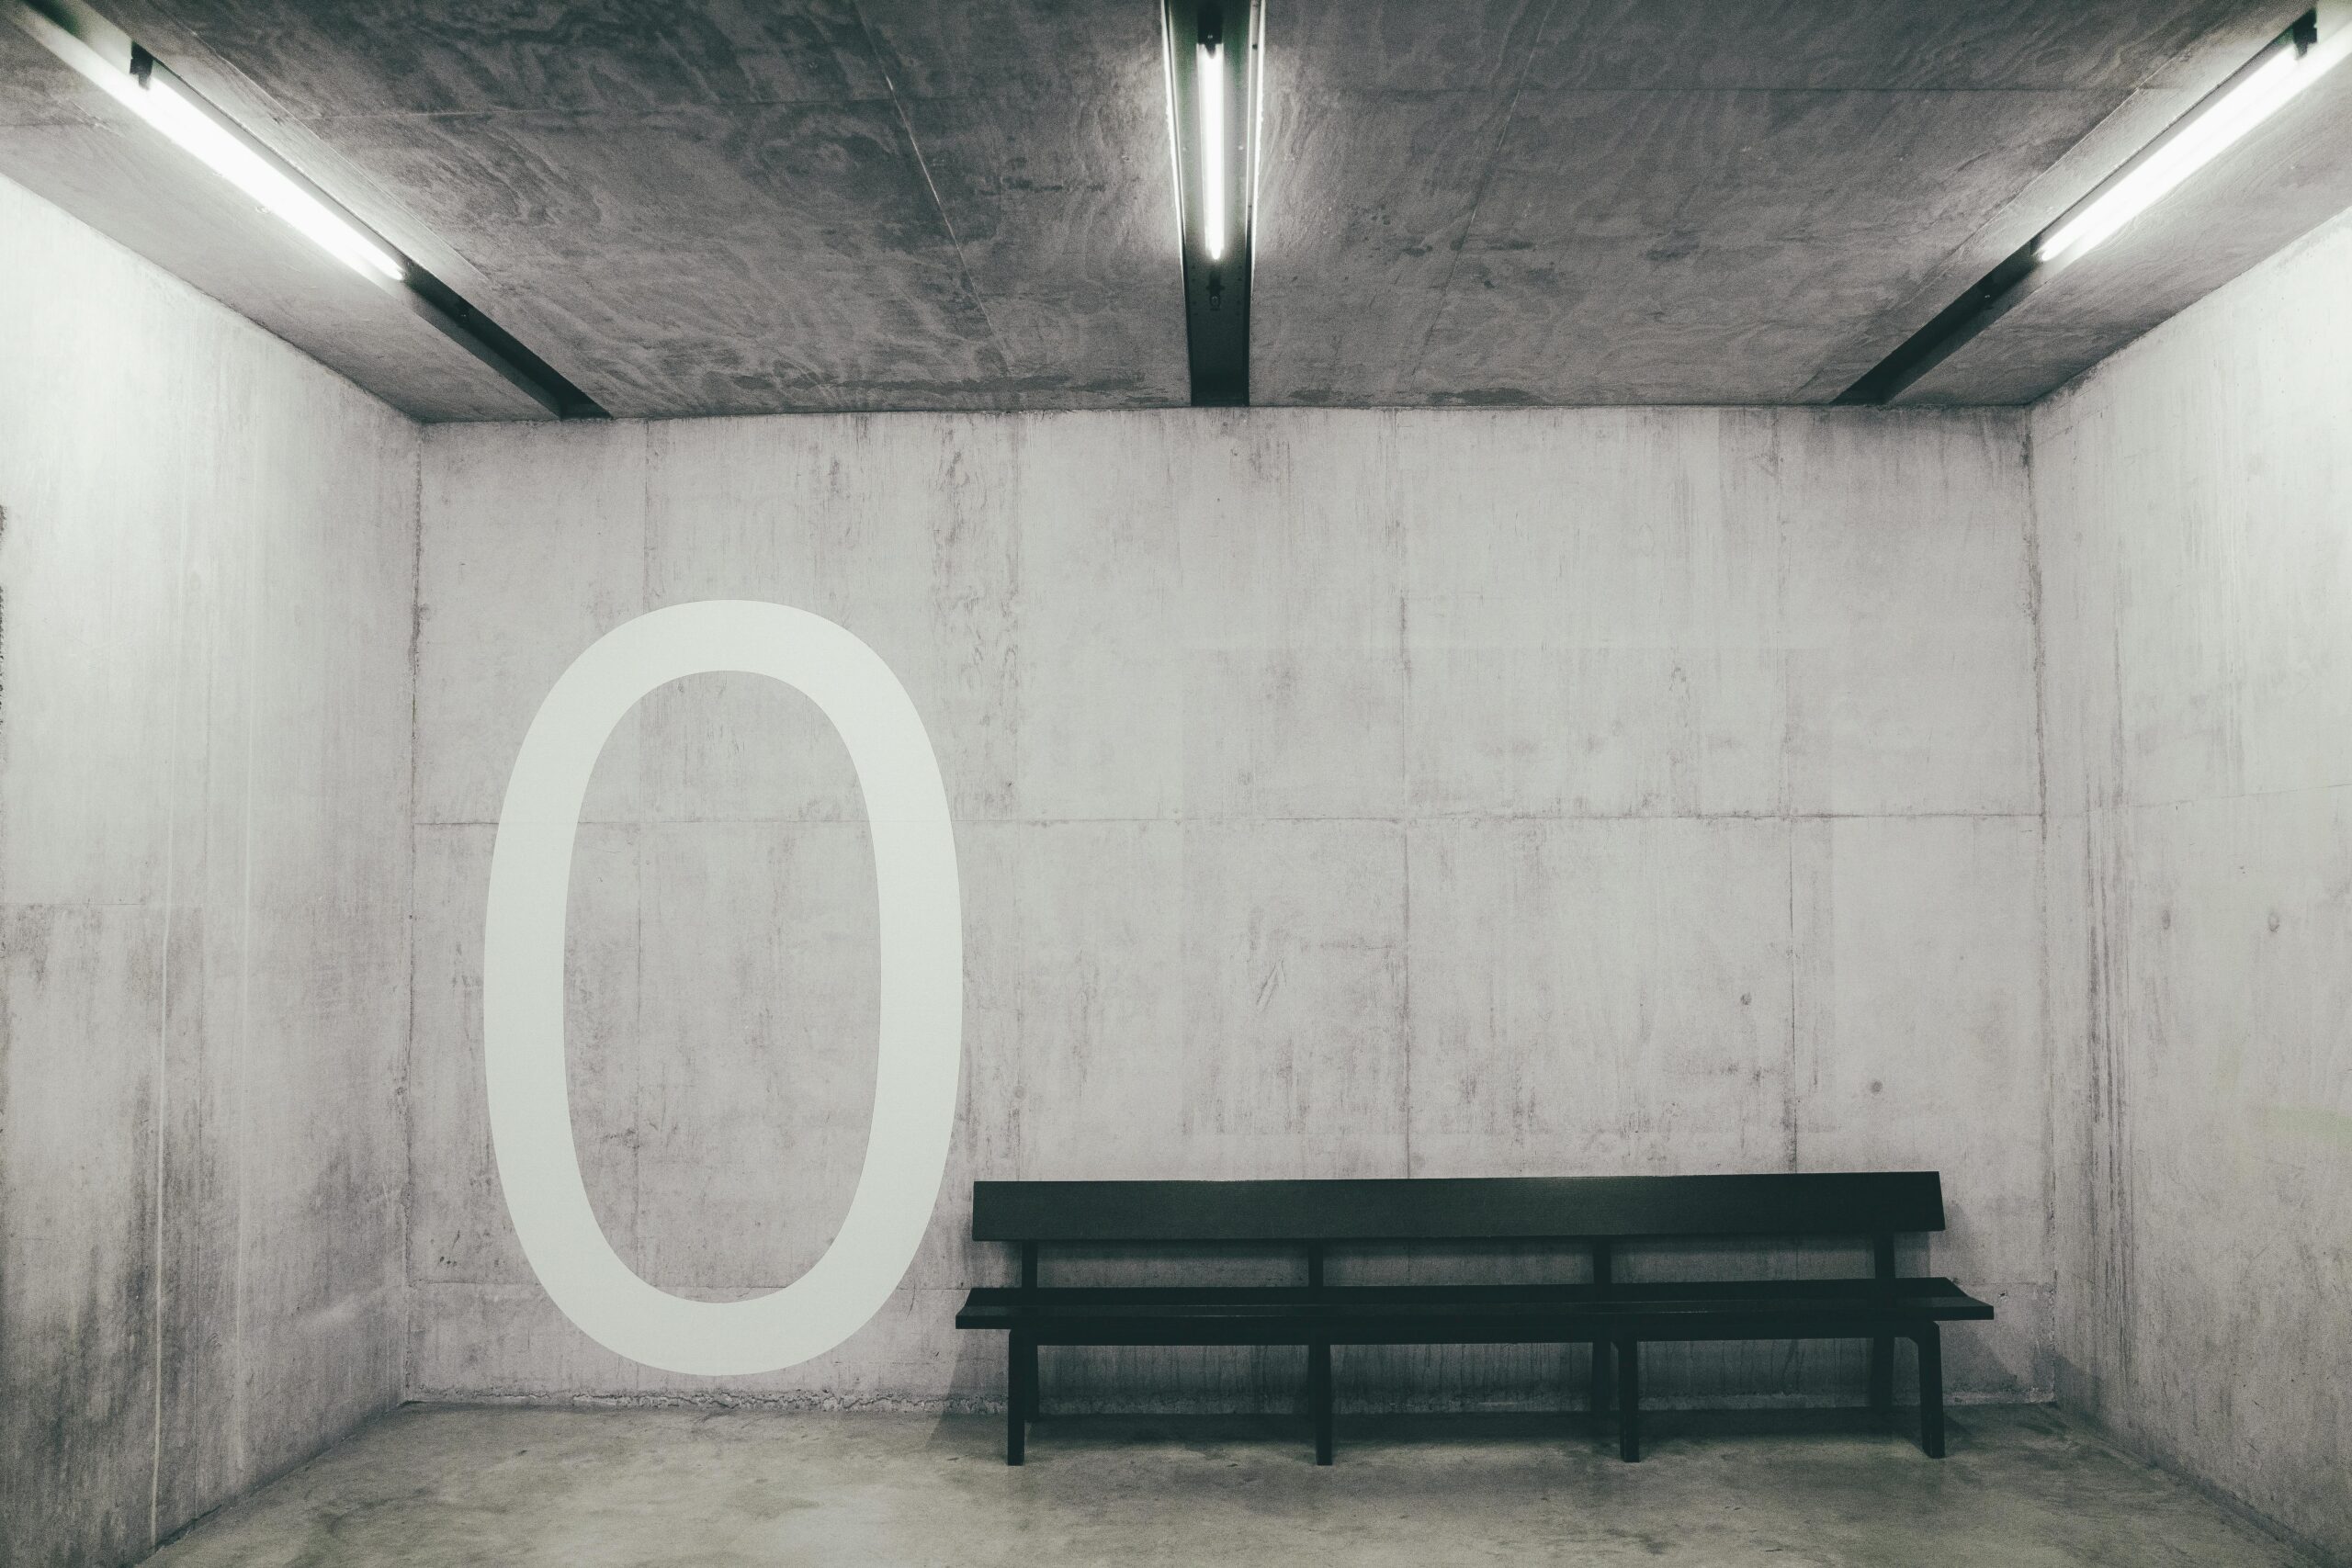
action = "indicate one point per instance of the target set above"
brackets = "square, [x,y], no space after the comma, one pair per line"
[1337,794]
[208,570]
[2198,547]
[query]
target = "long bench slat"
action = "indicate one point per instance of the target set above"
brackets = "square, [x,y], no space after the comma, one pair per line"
[1634,1291]
[1459,1208]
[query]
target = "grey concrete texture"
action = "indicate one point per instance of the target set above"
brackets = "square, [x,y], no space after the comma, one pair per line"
[812,206]
[208,570]
[450,1487]
[1721,203]
[2196,567]
[1336,794]
[932,204]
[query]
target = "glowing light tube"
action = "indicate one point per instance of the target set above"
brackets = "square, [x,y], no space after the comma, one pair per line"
[101,51]
[1208,77]
[164,106]
[2221,122]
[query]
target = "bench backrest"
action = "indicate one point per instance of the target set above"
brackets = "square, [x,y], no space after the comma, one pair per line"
[1461,1208]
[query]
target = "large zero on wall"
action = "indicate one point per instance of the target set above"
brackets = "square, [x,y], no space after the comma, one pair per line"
[921,971]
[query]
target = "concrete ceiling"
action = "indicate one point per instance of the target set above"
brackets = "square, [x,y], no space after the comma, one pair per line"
[734,207]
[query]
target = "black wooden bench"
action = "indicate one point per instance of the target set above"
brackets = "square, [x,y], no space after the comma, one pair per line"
[1616,1317]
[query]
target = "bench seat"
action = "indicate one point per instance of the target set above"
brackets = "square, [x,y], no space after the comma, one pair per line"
[1467,1314]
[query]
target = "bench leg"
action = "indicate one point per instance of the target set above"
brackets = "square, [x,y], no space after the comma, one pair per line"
[1600,1400]
[1931,1390]
[1031,1384]
[1882,1374]
[1318,1396]
[1629,1400]
[1021,1352]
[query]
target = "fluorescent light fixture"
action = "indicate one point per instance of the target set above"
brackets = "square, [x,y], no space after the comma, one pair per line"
[2254,99]
[153,97]
[2258,89]
[1213,49]
[104,54]
[111,59]
[1208,75]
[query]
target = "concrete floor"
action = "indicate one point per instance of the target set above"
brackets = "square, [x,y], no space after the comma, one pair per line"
[2023,1488]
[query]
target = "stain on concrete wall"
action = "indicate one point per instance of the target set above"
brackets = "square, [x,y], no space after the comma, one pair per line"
[2197,548]
[1337,794]
[204,789]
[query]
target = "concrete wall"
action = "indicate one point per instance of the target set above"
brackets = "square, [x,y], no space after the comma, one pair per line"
[1337,794]
[208,568]
[2197,562]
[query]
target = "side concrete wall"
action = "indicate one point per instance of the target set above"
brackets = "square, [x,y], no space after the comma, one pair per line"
[208,570]
[2195,500]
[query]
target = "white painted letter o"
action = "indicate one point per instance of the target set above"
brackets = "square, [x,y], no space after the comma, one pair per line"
[921,971]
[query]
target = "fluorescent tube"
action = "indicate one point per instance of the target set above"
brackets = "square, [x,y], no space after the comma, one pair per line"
[2222,122]
[1209,75]
[101,51]
[161,105]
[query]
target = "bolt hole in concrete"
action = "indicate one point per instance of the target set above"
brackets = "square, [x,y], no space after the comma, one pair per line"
[461,1485]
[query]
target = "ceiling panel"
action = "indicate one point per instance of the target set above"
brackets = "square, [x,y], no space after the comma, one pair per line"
[1044,129]
[1994,46]
[734,207]
[1365,201]
[715,209]
[1710,201]
[1702,245]
[654,239]
[331,58]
